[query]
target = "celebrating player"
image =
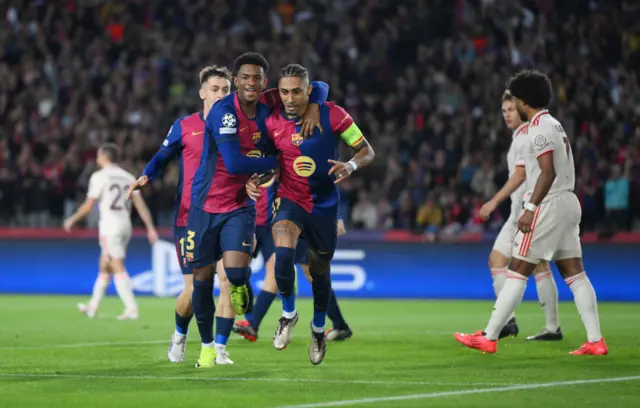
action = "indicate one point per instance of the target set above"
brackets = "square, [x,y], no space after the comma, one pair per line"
[221,218]
[499,257]
[108,186]
[248,328]
[307,203]
[184,142]
[548,228]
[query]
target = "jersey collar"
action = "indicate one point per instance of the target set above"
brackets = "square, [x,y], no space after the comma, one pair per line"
[537,115]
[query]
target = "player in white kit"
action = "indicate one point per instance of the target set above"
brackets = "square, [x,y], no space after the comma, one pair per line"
[501,252]
[548,228]
[108,186]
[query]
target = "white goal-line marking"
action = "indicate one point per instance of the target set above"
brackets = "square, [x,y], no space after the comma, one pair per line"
[193,378]
[517,387]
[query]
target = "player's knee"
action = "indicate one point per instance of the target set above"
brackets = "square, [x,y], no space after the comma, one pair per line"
[203,274]
[497,260]
[570,267]
[238,276]
[542,267]
[285,234]
[318,267]
[521,267]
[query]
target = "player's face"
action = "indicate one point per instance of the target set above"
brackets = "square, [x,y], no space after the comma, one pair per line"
[294,93]
[214,89]
[510,114]
[250,82]
[101,160]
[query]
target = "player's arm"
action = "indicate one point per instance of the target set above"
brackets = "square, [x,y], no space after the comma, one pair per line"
[222,125]
[145,216]
[95,188]
[169,150]
[351,134]
[544,149]
[515,181]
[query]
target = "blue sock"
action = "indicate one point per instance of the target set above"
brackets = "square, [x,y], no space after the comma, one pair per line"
[223,329]
[321,287]
[204,309]
[238,276]
[285,277]
[263,302]
[182,323]
[334,313]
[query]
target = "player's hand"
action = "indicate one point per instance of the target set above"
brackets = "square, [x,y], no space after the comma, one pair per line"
[152,236]
[525,221]
[310,120]
[487,208]
[341,228]
[141,182]
[68,224]
[341,170]
[253,187]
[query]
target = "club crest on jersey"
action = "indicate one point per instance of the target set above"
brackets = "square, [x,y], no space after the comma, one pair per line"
[304,166]
[255,139]
[297,139]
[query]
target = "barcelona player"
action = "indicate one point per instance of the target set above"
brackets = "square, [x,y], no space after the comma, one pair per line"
[221,218]
[307,198]
[248,328]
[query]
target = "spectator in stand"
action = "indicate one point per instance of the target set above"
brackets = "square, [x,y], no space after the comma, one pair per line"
[616,199]
[424,79]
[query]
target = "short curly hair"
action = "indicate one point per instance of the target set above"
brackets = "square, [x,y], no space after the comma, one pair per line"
[531,87]
[251,58]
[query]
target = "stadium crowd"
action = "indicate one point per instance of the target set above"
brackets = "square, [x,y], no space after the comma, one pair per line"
[423,79]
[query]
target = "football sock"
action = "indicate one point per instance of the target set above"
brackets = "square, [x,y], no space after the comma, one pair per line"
[508,300]
[334,313]
[499,276]
[263,302]
[585,298]
[548,297]
[99,288]
[223,330]
[182,324]
[321,287]
[124,288]
[285,277]
[204,309]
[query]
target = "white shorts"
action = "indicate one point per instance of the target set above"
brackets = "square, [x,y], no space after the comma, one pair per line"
[114,246]
[555,232]
[504,241]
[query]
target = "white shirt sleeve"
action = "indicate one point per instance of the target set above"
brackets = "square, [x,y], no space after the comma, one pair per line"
[541,143]
[95,186]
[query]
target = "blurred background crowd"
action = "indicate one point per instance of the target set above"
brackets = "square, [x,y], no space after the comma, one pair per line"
[422,78]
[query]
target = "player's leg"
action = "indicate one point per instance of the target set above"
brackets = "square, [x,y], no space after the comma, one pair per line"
[117,245]
[224,317]
[183,316]
[285,236]
[248,328]
[341,330]
[236,241]
[322,237]
[529,249]
[548,298]
[202,252]
[498,262]
[99,288]
[568,259]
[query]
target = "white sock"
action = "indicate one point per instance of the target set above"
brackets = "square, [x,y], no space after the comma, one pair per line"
[499,276]
[125,291]
[208,345]
[220,346]
[289,315]
[317,329]
[585,298]
[508,300]
[99,288]
[548,297]
[176,333]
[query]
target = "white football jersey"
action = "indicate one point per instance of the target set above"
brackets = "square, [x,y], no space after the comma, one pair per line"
[546,135]
[109,187]
[515,158]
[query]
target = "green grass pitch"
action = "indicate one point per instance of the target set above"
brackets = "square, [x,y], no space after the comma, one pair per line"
[402,355]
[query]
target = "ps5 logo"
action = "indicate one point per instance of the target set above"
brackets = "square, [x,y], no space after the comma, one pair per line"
[165,276]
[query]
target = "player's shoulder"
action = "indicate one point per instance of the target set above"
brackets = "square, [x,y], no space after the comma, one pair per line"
[521,130]
[226,104]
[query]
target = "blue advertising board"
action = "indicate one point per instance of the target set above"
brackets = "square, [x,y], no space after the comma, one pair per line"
[359,270]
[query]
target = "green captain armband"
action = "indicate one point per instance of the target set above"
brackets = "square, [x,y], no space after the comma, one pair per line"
[353,135]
